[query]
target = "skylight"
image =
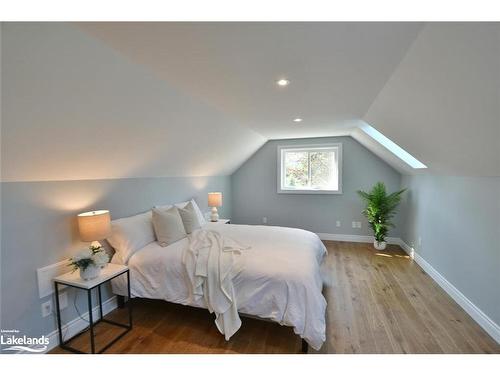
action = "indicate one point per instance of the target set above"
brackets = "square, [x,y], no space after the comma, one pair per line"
[392,147]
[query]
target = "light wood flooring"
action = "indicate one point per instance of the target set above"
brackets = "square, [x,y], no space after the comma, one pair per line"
[378,302]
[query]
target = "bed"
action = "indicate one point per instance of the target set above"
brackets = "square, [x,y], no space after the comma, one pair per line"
[278,278]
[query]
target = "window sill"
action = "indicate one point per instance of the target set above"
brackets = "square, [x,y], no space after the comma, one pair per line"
[281,191]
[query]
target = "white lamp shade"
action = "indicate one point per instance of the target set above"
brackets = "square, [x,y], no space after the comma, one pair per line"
[215,199]
[94,225]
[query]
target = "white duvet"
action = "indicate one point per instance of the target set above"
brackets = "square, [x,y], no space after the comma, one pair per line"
[278,278]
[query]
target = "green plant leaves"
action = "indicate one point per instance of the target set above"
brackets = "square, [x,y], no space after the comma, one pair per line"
[380,209]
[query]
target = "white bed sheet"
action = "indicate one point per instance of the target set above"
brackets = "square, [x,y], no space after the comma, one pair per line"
[279,278]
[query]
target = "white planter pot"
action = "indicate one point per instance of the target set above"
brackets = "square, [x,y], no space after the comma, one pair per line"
[91,272]
[379,245]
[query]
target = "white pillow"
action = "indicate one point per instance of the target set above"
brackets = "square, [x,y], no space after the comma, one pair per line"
[201,218]
[131,234]
[199,214]
[168,226]
[189,218]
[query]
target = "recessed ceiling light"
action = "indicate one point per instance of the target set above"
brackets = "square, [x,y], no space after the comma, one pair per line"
[297,120]
[283,82]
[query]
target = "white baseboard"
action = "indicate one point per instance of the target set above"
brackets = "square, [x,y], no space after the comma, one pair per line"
[408,250]
[355,238]
[76,325]
[475,312]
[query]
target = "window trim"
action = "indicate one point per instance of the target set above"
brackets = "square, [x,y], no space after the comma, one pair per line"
[319,146]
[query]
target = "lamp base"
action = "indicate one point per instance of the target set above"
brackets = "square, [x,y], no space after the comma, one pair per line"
[95,245]
[214,215]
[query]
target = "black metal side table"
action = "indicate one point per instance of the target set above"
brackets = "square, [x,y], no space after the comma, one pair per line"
[73,279]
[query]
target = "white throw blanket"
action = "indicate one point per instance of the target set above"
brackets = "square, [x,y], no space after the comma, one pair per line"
[210,262]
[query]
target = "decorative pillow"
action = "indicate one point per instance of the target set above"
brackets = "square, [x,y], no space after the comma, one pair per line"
[131,234]
[199,214]
[168,226]
[189,218]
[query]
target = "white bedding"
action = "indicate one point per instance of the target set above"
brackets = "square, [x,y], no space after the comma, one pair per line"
[279,277]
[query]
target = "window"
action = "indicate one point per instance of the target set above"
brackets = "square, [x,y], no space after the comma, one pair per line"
[310,169]
[392,147]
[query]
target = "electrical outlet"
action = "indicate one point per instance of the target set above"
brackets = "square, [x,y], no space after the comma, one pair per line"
[63,300]
[47,308]
[359,224]
[354,224]
[264,220]
[337,223]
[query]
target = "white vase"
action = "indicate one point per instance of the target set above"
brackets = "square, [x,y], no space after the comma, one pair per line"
[89,273]
[379,245]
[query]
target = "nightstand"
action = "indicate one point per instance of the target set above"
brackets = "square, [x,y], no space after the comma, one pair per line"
[222,221]
[73,279]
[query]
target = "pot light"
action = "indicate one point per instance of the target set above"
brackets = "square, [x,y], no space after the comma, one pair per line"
[297,120]
[283,82]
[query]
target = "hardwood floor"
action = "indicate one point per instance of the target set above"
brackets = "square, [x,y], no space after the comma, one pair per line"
[162,327]
[378,302]
[383,302]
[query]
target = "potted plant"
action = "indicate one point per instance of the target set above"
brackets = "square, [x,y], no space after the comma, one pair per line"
[90,262]
[380,209]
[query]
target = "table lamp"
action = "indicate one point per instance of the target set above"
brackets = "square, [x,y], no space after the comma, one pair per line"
[214,201]
[94,226]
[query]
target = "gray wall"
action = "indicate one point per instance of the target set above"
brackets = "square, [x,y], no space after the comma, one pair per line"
[39,229]
[458,222]
[255,196]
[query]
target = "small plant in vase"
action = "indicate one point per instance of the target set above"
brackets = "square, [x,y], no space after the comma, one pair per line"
[89,261]
[380,209]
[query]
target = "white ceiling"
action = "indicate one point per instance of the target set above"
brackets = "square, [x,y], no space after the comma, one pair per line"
[431,88]
[72,108]
[106,100]
[442,103]
[336,69]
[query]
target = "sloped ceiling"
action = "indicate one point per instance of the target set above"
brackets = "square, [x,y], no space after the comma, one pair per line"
[106,100]
[336,69]
[442,103]
[112,100]
[75,109]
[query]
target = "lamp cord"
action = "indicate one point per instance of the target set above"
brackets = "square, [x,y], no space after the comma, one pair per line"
[76,308]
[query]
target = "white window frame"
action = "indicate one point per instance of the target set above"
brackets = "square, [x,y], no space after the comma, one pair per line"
[337,148]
